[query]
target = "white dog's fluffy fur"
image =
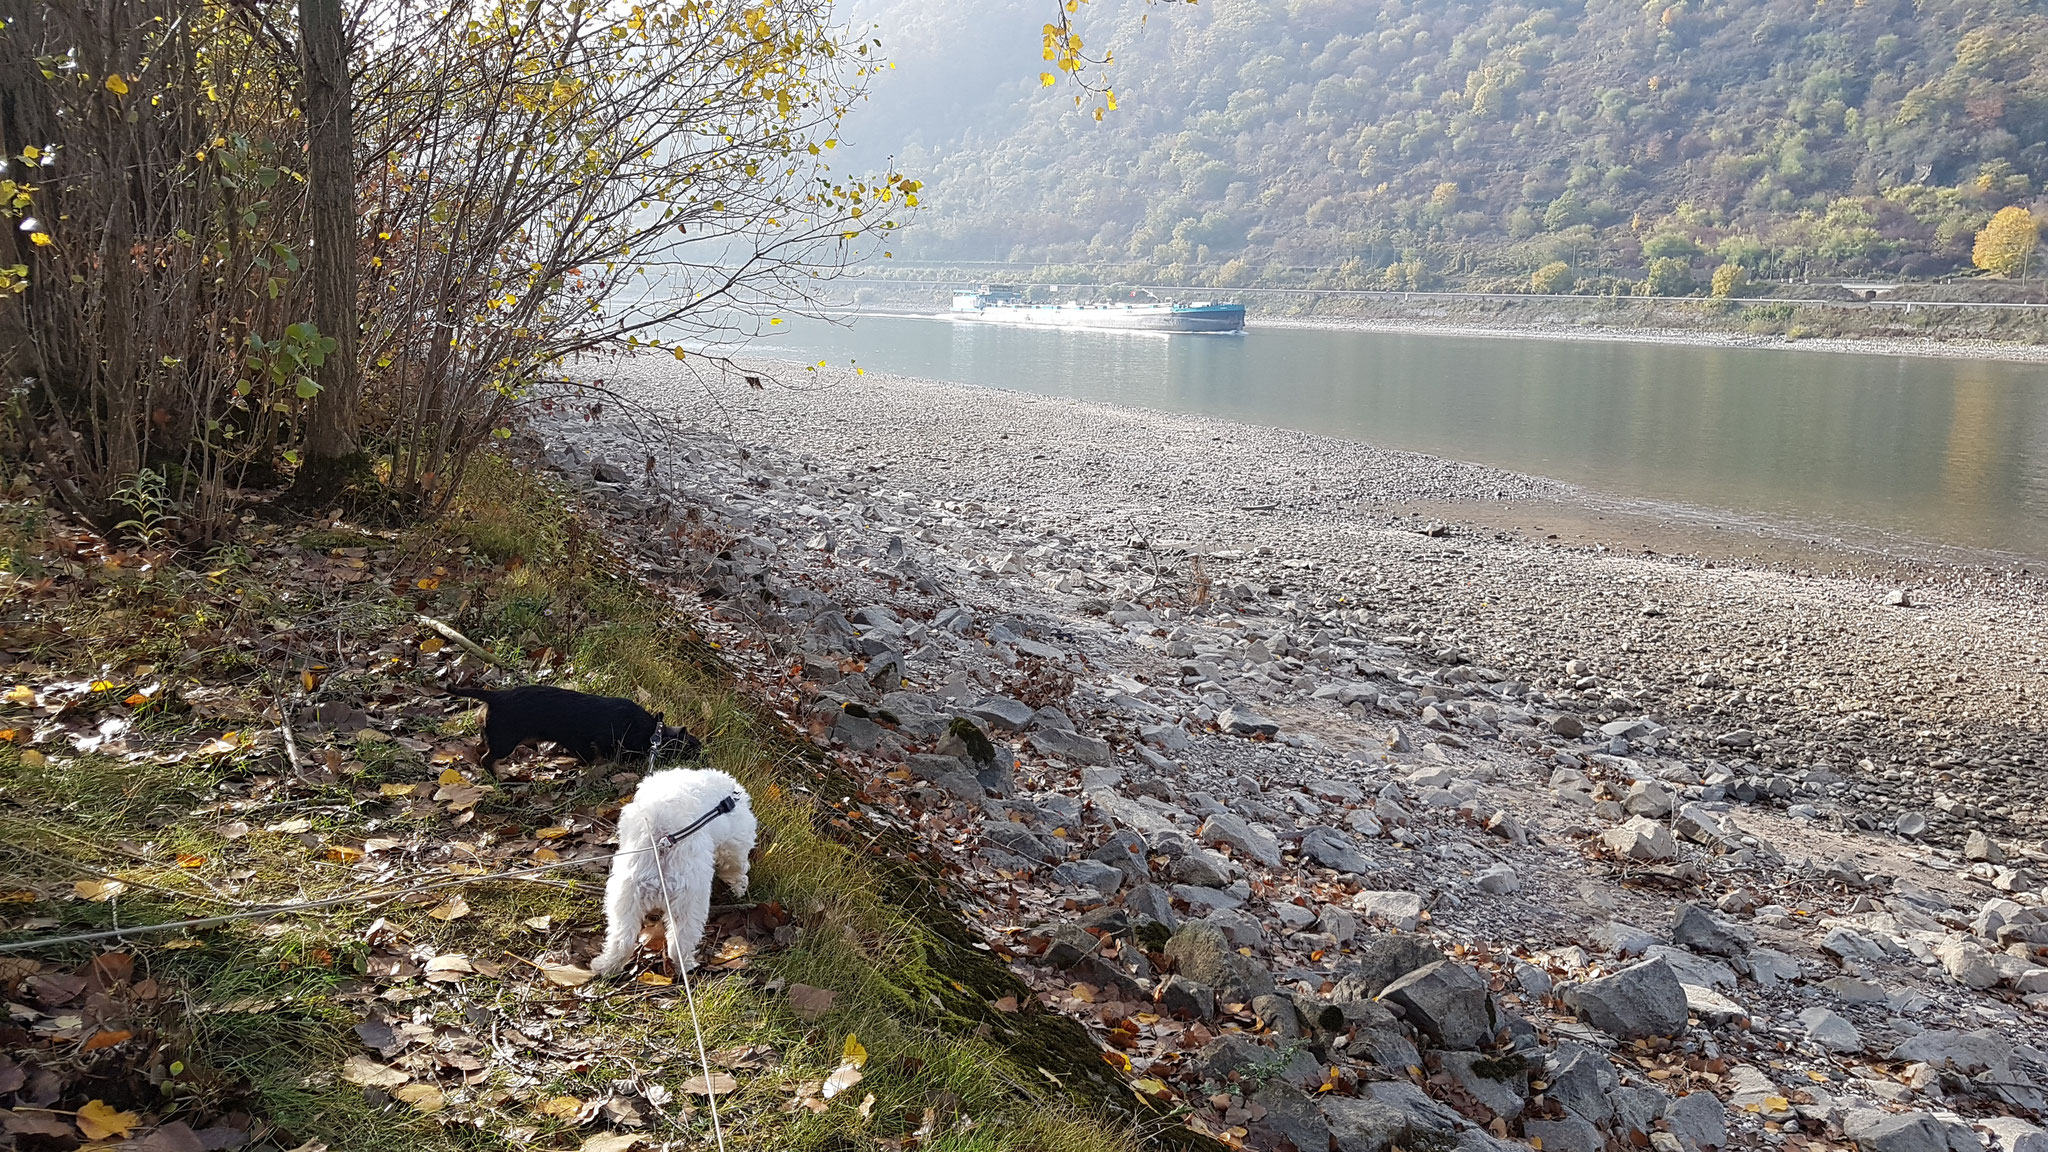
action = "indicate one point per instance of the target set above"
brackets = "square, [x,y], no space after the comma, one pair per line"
[667,802]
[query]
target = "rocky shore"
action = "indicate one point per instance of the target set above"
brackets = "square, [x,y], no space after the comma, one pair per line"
[1342,829]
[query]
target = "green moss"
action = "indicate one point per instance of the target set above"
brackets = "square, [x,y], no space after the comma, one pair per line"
[970,734]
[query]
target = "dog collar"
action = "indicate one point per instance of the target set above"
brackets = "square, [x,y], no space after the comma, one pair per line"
[719,809]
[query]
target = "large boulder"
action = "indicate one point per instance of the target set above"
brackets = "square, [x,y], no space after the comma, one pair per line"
[1640,838]
[1692,927]
[1876,1131]
[1698,1119]
[1500,1085]
[1641,1001]
[1333,849]
[1072,746]
[1399,910]
[1583,1081]
[1447,1002]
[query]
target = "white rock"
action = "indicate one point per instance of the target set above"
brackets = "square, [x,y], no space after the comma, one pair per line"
[1641,838]
[1402,910]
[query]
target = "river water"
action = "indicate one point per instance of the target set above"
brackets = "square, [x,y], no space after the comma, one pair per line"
[1877,449]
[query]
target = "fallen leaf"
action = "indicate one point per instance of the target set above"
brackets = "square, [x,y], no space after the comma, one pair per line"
[397,789]
[653,979]
[191,860]
[432,644]
[102,686]
[21,694]
[565,975]
[719,1084]
[852,1052]
[1116,1060]
[177,1136]
[811,1003]
[612,1142]
[307,680]
[867,1106]
[99,891]
[105,1040]
[560,1107]
[843,1077]
[539,923]
[555,833]
[99,1120]
[343,854]
[30,758]
[27,1123]
[453,908]
[1006,1004]
[423,1097]
[367,1073]
[451,776]
[292,827]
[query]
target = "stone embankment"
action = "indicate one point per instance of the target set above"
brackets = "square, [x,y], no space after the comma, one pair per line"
[1346,835]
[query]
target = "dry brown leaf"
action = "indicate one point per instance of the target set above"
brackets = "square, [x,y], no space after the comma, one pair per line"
[105,1040]
[363,1071]
[453,908]
[867,1106]
[720,1083]
[612,1142]
[811,1003]
[99,891]
[843,1077]
[565,975]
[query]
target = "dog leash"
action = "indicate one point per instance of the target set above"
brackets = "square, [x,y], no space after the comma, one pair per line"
[719,809]
[683,970]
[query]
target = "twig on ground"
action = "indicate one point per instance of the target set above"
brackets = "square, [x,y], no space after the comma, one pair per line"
[456,638]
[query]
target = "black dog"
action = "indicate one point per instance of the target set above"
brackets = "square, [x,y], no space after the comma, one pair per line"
[587,727]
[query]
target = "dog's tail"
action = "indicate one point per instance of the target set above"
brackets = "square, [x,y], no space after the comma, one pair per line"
[483,694]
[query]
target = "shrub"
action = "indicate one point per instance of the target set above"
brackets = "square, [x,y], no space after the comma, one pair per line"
[1553,278]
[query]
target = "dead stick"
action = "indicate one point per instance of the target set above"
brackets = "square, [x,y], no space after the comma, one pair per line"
[458,639]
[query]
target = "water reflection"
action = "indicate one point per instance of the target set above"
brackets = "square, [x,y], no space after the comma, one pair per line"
[1948,451]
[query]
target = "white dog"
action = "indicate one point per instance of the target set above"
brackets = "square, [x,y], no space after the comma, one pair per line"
[651,852]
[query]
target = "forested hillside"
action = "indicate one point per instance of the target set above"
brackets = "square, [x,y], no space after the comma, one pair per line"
[1389,142]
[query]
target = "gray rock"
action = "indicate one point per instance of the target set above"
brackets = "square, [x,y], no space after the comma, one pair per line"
[1978,846]
[1204,901]
[1292,1118]
[1239,930]
[1875,1131]
[1333,849]
[1499,880]
[1423,1114]
[1567,726]
[1698,1120]
[1828,1031]
[1910,823]
[1692,927]
[1968,963]
[1202,954]
[1125,852]
[1071,746]
[1638,1002]
[1649,798]
[1245,837]
[1339,924]
[1711,1007]
[1228,1053]
[1361,1124]
[1002,712]
[1381,960]
[1244,722]
[1186,999]
[1692,969]
[1770,967]
[1400,910]
[1091,874]
[1966,1052]
[1583,1081]
[1641,838]
[1277,1015]
[1152,902]
[1447,1002]
[1018,840]
[1533,980]
[1570,1134]
[1501,1086]
[1637,1110]
[1623,939]
[1202,868]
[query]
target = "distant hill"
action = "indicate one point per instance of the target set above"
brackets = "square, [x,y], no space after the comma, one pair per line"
[1361,143]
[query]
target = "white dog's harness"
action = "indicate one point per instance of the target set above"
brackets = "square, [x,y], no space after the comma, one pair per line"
[719,809]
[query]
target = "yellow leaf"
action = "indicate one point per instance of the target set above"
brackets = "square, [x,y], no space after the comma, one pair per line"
[99,891]
[192,860]
[561,1107]
[450,776]
[21,694]
[554,833]
[1776,1104]
[653,980]
[343,854]
[546,855]
[396,789]
[30,758]
[680,354]
[102,686]
[1117,1060]
[427,583]
[42,239]
[307,680]
[117,84]
[852,1052]
[432,644]
[99,1120]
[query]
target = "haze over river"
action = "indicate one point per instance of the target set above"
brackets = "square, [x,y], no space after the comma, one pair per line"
[1877,449]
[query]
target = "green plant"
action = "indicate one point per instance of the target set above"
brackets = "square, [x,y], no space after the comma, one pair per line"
[147,497]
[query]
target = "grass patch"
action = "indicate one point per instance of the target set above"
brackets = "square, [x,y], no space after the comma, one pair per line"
[197,805]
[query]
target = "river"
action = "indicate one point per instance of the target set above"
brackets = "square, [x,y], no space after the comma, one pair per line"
[1886,450]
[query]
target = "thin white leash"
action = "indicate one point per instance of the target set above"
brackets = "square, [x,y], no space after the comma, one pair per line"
[690,998]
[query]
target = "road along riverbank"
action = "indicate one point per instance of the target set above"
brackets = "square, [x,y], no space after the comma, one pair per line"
[1334,821]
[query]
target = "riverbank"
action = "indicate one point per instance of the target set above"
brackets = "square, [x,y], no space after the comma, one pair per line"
[1238,695]
[1958,349]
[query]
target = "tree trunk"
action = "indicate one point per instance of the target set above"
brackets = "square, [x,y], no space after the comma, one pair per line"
[332,456]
